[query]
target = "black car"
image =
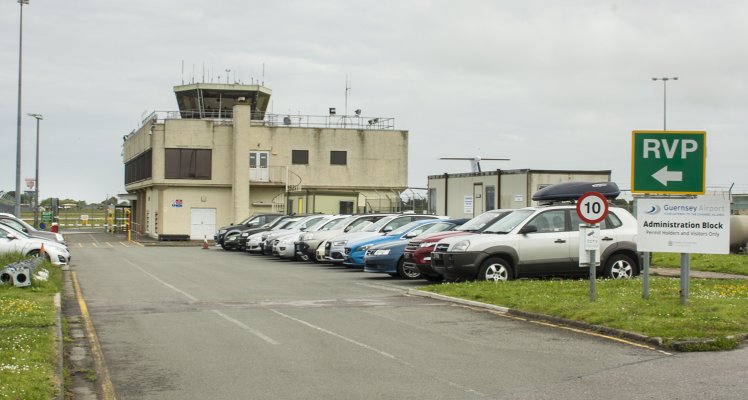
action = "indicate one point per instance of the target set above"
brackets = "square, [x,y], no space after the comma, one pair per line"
[253,222]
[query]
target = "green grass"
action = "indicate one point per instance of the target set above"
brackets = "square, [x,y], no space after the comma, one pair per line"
[717,310]
[725,263]
[27,339]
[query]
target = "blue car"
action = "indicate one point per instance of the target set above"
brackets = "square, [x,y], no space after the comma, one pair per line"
[355,250]
[388,257]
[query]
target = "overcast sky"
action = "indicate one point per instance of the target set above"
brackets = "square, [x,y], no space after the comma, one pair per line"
[548,84]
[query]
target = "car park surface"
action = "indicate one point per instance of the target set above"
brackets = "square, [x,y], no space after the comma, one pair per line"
[256,325]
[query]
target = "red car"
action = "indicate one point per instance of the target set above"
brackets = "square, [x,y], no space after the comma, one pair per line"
[418,251]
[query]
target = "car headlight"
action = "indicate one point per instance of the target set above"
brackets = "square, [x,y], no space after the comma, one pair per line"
[364,247]
[381,252]
[221,231]
[427,244]
[461,246]
[340,243]
[245,234]
[306,236]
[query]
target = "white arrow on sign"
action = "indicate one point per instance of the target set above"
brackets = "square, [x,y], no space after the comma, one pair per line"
[664,176]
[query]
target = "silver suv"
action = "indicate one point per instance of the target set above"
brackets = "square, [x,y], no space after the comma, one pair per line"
[538,241]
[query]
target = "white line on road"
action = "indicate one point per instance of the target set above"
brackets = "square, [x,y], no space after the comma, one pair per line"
[245,327]
[383,287]
[375,350]
[93,238]
[109,244]
[195,299]
[124,244]
[349,340]
[170,286]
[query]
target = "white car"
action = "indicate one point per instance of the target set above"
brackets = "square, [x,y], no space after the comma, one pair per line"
[255,241]
[13,241]
[285,246]
[270,237]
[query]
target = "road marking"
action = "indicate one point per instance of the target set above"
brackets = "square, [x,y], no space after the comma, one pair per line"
[107,389]
[93,238]
[109,244]
[349,340]
[124,244]
[195,299]
[383,287]
[94,245]
[375,350]
[245,327]
[157,279]
[80,244]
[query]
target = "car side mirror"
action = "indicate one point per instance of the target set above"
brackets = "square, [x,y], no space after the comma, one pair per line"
[410,235]
[11,236]
[386,230]
[528,229]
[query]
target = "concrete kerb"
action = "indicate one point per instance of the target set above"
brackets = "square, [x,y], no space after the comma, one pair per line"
[636,337]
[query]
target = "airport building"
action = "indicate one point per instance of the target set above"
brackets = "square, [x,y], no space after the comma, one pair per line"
[221,157]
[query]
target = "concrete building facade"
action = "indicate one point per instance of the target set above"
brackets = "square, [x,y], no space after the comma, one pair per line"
[470,194]
[221,158]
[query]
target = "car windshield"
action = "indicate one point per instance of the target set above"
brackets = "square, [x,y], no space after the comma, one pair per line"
[509,222]
[13,224]
[478,223]
[335,224]
[439,227]
[18,233]
[286,223]
[405,228]
[321,224]
[360,227]
[375,227]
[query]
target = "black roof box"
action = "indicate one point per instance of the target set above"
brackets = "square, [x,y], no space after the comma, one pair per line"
[569,191]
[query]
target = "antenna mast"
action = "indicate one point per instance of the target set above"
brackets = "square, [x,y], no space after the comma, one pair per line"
[347,89]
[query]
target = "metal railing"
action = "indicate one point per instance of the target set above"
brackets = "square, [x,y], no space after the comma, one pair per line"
[280,120]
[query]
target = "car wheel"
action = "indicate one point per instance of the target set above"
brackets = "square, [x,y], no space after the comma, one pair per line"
[495,269]
[37,254]
[224,246]
[620,266]
[407,272]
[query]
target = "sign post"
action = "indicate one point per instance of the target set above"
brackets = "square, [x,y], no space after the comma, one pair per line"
[592,208]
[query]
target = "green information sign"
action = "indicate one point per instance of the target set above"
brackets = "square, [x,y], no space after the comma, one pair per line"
[46,217]
[668,162]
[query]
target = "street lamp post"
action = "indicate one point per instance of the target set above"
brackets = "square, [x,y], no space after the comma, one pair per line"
[18,126]
[664,98]
[38,117]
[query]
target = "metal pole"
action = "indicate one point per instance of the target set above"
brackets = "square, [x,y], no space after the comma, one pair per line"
[593,275]
[36,193]
[17,209]
[664,104]
[645,294]
[684,274]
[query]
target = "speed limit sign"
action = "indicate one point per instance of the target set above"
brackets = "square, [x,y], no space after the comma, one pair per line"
[592,207]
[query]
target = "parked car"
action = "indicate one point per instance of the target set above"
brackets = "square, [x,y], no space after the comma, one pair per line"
[335,246]
[307,245]
[355,250]
[540,241]
[285,245]
[306,222]
[237,239]
[253,222]
[12,241]
[388,258]
[253,243]
[23,226]
[417,254]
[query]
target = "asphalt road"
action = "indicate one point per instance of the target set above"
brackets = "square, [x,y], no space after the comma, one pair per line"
[188,323]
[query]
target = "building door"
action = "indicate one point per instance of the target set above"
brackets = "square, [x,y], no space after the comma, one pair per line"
[202,223]
[478,199]
[258,166]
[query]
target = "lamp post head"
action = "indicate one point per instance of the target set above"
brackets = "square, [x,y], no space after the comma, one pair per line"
[37,116]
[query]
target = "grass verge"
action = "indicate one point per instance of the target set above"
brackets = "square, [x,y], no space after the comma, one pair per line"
[715,318]
[27,338]
[725,263]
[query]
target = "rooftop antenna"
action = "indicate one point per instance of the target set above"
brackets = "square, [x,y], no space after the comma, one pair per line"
[474,161]
[227,74]
[263,74]
[183,72]
[203,81]
[193,73]
[347,89]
